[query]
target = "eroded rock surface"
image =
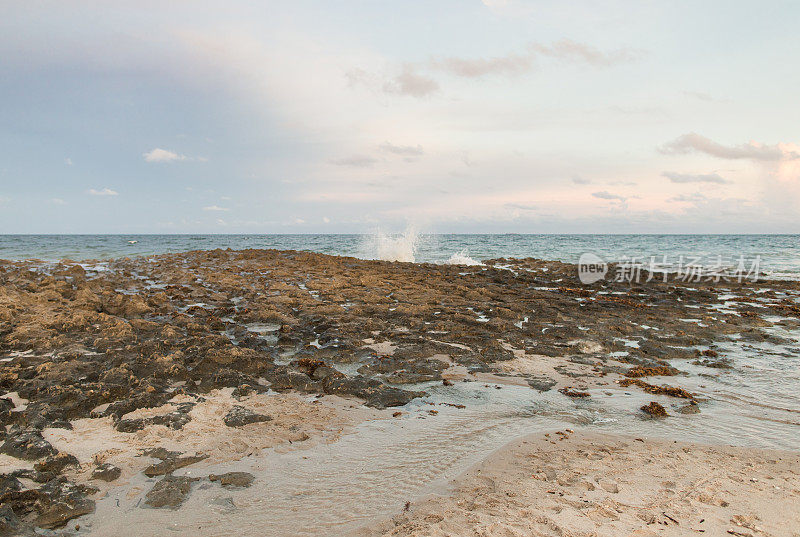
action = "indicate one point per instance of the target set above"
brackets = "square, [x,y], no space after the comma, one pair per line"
[108,340]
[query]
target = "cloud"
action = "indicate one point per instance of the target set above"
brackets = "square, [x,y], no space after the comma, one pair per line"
[57,201]
[580,180]
[215,208]
[689,198]
[574,52]
[604,195]
[356,161]
[693,142]
[522,206]
[68,161]
[162,155]
[403,150]
[410,83]
[103,192]
[700,178]
[699,95]
[513,64]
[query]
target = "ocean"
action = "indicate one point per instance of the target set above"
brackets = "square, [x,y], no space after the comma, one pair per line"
[776,255]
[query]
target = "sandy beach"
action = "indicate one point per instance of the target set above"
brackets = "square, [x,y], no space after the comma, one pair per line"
[582,484]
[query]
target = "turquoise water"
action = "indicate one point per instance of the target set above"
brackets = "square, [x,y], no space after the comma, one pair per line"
[779,254]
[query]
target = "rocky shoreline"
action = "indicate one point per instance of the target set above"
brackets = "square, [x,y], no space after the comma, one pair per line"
[295,347]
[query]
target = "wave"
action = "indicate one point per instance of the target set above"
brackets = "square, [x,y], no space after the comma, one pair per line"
[392,247]
[461,258]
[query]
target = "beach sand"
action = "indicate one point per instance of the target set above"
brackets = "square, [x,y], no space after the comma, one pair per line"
[585,484]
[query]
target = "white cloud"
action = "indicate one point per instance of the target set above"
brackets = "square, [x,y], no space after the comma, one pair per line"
[411,83]
[512,64]
[605,195]
[57,201]
[162,155]
[693,142]
[572,51]
[404,150]
[698,178]
[689,198]
[564,50]
[103,192]
[216,208]
[68,161]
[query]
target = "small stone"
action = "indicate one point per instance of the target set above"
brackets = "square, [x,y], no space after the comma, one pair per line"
[691,408]
[9,523]
[170,492]
[233,479]
[8,483]
[59,513]
[106,472]
[56,464]
[167,466]
[239,416]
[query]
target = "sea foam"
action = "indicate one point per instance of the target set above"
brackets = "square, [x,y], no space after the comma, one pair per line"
[461,258]
[392,247]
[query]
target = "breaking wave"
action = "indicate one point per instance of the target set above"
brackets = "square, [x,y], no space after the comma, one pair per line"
[461,258]
[392,246]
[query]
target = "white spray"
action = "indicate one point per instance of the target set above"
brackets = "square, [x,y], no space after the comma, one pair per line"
[392,247]
[462,258]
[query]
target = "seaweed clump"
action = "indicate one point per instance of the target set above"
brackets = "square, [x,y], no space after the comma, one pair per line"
[655,409]
[657,371]
[672,391]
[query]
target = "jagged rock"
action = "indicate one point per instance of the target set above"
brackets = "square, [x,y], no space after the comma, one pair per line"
[5,410]
[129,426]
[10,525]
[233,479]
[9,483]
[170,492]
[60,512]
[375,393]
[542,384]
[55,464]
[26,444]
[171,464]
[239,416]
[52,504]
[106,472]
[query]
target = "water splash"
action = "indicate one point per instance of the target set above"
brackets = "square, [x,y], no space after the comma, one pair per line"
[462,258]
[392,246]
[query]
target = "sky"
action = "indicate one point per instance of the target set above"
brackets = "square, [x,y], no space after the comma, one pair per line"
[470,116]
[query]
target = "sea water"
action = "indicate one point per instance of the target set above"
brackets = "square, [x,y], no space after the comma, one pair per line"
[778,255]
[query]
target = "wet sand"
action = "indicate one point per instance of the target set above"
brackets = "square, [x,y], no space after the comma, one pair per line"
[565,483]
